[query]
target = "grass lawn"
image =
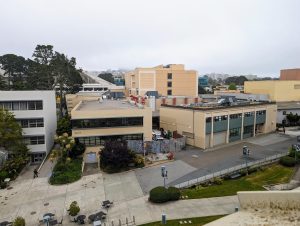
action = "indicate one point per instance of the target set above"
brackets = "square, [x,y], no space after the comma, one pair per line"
[66,172]
[273,174]
[196,221]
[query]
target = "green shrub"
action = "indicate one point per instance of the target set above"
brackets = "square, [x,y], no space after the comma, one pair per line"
[159,195]
[66,172]
[218,181]
[19,221]
[173,193]
[73,209]
[243,172]
[78,149]
[3,175]
[287,161]
[252,170]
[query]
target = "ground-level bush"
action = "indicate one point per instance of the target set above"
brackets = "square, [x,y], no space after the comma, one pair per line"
[173,193]
[19,221]
[66,172]
[287,161]
[162,194]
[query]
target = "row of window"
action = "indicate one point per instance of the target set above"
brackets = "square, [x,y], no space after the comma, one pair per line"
[34,140]
[94,89]
[234,116]
[21,105]
[220,118]
[31,123]
[96,141]
[263,112]
[107,122]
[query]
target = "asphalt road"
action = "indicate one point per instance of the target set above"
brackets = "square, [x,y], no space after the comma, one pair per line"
[194,163]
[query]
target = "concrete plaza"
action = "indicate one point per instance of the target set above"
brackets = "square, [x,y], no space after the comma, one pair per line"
[31,198]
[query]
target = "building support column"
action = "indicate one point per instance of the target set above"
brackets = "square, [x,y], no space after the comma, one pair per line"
[242,127]
[254,125]
[211,141]
[227,134]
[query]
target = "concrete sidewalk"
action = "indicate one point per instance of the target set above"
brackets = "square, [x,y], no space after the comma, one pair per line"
[32,198]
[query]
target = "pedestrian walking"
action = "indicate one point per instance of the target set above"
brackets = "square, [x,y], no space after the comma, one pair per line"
[35,173]
[283,130]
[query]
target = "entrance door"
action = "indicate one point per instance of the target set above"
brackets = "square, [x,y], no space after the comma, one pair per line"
[37,158]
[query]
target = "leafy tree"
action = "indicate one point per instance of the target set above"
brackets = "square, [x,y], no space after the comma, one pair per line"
[107,77]
[232,86]
[43,54]
[11,134]
[238,80]
[66,76]
[15,69]
[293,118]
[3,85]
[116,156]
[64,126]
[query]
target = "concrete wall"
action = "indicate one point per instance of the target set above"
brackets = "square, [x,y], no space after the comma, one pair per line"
[277,90]
[284,200]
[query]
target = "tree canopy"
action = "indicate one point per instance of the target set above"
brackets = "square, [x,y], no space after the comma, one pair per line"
[107,77]
[46,70]
[115,156]
[232,86]
[11,134]
[237,80]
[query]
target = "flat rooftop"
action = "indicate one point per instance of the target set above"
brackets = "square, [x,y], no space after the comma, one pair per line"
[288,105]
[95,105]
[214,105]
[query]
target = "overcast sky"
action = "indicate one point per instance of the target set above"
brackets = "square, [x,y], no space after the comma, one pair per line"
[224,36]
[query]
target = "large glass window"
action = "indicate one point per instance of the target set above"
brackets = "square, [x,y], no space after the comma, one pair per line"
[21,105]
[235,116]
[263,112]
[234,132]
[107,122]
[31,123]
[34,140]
[248,114]
[220,118]
[96,141]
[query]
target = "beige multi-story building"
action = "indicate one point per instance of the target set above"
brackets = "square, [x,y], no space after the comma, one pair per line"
[95,121]
[207,127]
[278,90]
[170,80]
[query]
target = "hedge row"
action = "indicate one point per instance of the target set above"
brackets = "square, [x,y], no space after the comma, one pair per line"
[162,194]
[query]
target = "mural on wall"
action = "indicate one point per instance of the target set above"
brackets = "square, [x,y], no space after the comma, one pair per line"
[159,146]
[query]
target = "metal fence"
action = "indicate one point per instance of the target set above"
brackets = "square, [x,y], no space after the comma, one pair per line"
[159,146]
[231,170]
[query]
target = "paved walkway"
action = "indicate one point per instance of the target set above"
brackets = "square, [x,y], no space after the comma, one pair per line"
[31,198]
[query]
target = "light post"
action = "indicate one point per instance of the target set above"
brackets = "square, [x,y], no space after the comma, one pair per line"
[164,174]
[246,153]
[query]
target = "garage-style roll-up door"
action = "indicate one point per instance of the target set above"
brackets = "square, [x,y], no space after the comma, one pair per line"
[219,138]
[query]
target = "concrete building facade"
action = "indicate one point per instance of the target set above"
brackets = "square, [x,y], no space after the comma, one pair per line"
[290,74]
[279,91]
[170,80]
[36,113]
[94,122]
[209,127]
